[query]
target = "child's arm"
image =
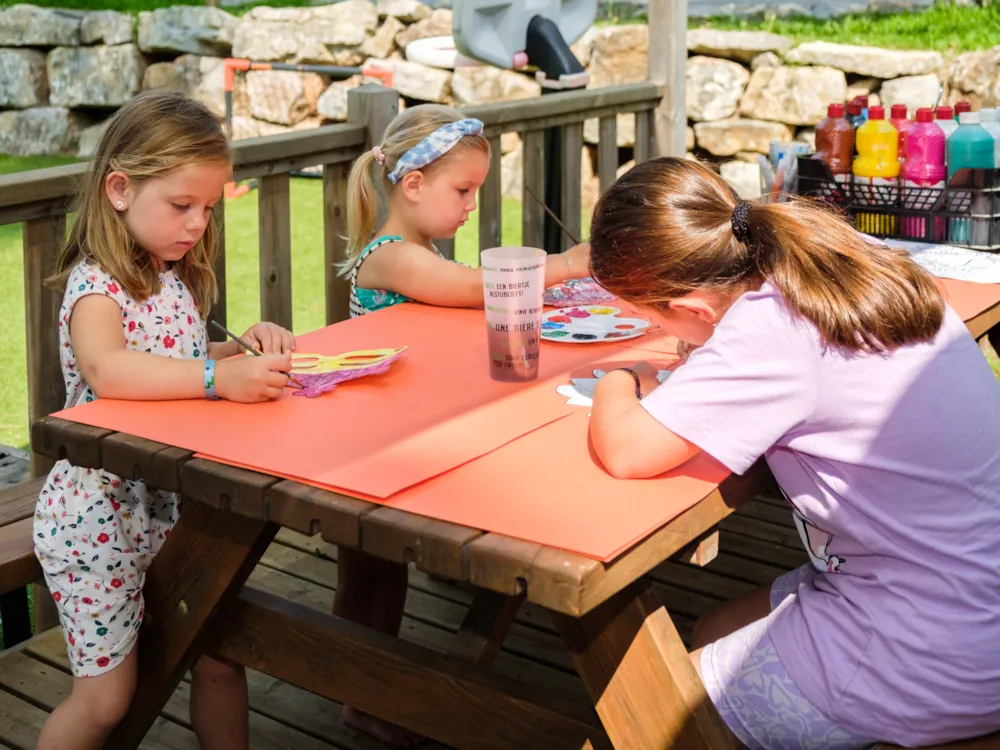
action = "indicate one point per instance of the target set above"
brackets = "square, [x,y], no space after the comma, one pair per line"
[426,277]
[114,371]
[627,440]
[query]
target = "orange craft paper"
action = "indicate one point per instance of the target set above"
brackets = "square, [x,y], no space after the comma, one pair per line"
[968,298]
[435,409]
[546,487]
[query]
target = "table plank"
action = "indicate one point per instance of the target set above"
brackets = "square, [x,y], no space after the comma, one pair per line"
[573,584]
[309,510]
[433,546]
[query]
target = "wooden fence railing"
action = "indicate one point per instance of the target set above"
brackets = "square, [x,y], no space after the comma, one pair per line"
[41,200]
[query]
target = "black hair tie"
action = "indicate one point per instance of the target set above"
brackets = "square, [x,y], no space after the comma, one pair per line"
[741,225]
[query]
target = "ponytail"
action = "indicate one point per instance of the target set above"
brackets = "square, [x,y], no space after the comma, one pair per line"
[363,196]
[666,228]
[861,295]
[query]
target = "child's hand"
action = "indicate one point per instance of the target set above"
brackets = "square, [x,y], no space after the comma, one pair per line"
[684,350]
[578,260]
[250,380]
[270,338]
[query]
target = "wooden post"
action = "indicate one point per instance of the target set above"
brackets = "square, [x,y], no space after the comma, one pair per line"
[334,241]
[218,311]
[491,202]
[571,187]
[43,240]
[373,106]
[533,171]
[275,238]
[607,153]
[668,66]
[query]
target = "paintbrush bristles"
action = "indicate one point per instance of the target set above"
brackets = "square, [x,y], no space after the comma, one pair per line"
[552,215]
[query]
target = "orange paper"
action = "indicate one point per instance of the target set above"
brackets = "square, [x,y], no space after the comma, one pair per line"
[547,488]
[970,299]
[435,409]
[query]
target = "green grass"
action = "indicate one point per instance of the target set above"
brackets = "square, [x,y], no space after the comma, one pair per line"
[134,6]
[943,27]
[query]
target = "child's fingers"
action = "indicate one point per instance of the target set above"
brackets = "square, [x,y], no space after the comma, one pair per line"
[273,393]
[287,341]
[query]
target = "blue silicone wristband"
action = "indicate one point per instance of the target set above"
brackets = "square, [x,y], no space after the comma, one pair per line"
[210,379]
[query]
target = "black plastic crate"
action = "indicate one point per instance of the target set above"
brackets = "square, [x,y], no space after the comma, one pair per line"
[965,212]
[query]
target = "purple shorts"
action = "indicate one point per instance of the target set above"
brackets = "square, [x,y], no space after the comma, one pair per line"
[757,699]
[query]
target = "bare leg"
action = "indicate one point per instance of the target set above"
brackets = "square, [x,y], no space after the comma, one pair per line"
[219,705]
[731,616]
[372,592]
[94,708]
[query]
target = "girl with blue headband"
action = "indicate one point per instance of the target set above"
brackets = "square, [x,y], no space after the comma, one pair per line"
[424,175]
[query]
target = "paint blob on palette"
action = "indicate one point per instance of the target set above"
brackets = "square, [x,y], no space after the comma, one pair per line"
[590,325]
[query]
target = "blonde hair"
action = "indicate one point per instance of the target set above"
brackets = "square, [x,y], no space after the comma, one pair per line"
[368,186]
[156,133]
[665,229]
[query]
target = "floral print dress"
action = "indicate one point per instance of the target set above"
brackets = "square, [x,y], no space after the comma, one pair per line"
[96,533]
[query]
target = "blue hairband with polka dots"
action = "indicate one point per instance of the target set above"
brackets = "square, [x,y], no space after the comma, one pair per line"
[434,146]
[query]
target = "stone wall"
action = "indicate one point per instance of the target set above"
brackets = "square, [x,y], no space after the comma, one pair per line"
[63,73]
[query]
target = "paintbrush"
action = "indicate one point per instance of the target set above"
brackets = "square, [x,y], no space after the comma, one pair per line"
[552,215]
[249,348]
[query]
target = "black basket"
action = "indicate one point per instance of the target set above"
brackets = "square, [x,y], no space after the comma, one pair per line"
[965,212]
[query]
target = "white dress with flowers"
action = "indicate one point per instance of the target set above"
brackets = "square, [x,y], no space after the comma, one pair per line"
[96,533]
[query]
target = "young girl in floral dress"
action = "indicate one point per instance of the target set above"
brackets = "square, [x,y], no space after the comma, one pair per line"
[138,278]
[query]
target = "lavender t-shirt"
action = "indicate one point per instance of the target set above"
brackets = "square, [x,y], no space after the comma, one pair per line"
[892,464]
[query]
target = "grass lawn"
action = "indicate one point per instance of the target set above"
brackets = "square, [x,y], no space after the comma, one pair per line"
[943,27]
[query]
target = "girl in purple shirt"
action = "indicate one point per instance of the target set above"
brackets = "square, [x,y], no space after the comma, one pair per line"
[840,363]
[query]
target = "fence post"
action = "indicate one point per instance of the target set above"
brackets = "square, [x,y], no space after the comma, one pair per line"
[373,106]
[668,67]
[43,240]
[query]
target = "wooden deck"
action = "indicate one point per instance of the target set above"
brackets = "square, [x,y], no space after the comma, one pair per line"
[757,544]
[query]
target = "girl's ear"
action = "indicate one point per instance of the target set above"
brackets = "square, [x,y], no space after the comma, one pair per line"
[700,306]
[118,188]
[411,184]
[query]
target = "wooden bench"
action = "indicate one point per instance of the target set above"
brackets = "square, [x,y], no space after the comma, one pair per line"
[18,565]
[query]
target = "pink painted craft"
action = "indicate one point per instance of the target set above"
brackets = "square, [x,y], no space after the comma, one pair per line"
[577,292]
[320,374]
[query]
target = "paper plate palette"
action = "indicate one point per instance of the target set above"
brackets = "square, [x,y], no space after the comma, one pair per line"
[590,325]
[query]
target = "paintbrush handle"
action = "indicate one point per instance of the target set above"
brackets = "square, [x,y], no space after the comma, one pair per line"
[251,349]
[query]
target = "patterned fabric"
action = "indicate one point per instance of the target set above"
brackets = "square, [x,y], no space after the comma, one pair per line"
[759,702]
[96,533]
[369,300]
[434,146]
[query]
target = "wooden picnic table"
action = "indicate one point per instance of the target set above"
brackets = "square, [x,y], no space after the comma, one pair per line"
[627,651]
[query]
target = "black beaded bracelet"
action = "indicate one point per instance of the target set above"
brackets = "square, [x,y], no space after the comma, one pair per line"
[635,377]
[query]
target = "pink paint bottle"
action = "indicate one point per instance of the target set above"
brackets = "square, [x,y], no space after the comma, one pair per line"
[923,174]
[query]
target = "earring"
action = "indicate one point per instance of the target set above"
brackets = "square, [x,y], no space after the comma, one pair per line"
[120,205]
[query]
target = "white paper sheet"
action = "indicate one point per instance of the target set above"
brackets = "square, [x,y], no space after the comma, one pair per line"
[950,262]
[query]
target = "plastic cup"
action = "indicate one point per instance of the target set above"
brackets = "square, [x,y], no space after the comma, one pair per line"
[513,288]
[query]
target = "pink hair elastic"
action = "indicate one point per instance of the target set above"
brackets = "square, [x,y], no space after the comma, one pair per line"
[379,156]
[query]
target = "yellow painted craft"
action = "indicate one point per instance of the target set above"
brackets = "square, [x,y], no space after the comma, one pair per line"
[319,364]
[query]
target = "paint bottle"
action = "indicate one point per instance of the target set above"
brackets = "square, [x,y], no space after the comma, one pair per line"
[990,120]
[945,119]
[876,171]
[923,174]
[969,147]
[854,115]
[900,120]
[835,143]
[862,99]
[960,107]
